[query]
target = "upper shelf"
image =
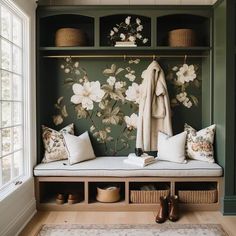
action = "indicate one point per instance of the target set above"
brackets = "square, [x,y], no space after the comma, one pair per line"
[162,48]
[102,32]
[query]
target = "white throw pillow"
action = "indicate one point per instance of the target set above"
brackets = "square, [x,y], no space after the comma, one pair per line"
[172,148]
[79,148]
[199,145]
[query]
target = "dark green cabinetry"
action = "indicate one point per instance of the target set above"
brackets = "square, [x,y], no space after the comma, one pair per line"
[97,21]
[224,97]
[215,27]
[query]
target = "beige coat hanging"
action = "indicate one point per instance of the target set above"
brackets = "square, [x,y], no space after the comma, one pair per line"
[154,108]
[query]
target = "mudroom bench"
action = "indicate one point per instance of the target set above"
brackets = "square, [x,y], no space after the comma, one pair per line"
[198,184]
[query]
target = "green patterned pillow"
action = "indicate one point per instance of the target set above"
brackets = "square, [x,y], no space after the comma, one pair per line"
[199,144]
[54,145]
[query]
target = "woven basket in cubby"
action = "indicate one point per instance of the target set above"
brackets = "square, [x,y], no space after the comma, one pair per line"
[182,38]
[198,196]
[70,37]
[147,196]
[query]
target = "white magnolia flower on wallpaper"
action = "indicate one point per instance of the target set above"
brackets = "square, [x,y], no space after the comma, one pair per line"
[131,38]
[119,85]
[115,29]
[76,65]
[139,28]
[57,120]
[122,36]
[112,33]
[133,93]
[127,20]
[145,40]
[131,121]
[186,73]
[187,103]
[139,36]
[87,94]
[175,68]
[111,80]
[131,77]
[138,21]
[136,61]
[67,70]
[182,98]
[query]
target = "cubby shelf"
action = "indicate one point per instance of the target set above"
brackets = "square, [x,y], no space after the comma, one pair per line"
[46,198]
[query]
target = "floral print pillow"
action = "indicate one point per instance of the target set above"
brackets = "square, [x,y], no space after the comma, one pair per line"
[54,145]
[199,144]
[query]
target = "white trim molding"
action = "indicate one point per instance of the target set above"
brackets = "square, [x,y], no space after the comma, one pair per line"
[19,205]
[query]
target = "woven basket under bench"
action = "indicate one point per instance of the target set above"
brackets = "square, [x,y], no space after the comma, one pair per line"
[147,196]
[198,196]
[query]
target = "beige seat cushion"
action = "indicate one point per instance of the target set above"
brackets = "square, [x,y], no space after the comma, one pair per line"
[114,166]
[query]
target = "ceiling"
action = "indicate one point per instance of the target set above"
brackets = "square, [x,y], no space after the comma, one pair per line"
[126,2]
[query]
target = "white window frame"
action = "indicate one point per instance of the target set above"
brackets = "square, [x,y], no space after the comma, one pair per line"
[26,115]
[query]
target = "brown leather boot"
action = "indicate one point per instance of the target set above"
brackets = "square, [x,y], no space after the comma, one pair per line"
[73,198]
[163,211]
[174,208]
[60,198]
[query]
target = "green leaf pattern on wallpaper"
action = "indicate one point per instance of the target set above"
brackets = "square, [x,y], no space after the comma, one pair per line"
[104,101]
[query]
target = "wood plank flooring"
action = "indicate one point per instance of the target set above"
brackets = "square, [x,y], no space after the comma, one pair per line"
[69,217]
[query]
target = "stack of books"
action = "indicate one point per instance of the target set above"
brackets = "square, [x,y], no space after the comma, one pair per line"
[141,161]
[125,44]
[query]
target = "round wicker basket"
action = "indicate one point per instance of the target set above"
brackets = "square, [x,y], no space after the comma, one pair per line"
[108,195]
[69,37]
[182,38]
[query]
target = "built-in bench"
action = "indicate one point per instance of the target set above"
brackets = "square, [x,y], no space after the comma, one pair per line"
[194,176]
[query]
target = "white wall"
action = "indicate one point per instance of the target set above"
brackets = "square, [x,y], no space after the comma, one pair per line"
[17,208]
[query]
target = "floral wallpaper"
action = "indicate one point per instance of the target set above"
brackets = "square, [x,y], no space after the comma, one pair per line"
[103,98]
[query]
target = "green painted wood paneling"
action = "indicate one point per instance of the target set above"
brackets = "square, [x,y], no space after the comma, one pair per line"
[229,205]
[219,86]
[224,97]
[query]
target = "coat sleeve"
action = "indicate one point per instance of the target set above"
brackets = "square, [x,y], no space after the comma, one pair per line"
[158,103]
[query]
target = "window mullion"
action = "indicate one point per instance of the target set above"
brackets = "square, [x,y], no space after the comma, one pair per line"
[1,171]
[11,153]
[11,129]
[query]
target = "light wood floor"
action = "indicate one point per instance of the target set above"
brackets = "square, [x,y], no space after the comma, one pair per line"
[52,217]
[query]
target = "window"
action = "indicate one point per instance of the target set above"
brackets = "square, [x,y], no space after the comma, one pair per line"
[13,94]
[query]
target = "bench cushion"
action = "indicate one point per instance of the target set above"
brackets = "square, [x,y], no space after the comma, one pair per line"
[114,166]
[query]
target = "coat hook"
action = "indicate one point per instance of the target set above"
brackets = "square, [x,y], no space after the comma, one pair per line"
[185,59]
[124,57]
[153,57]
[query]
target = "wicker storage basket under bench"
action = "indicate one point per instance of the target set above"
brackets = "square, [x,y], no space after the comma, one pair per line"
[149,196]
[198,193]
[198,196]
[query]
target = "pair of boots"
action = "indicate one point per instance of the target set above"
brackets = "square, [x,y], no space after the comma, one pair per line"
[62,198]
[168,209]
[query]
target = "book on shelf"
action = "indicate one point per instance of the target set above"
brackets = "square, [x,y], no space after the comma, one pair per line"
[125,44]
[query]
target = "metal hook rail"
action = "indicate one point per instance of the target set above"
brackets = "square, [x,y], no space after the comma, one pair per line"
[125,56]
